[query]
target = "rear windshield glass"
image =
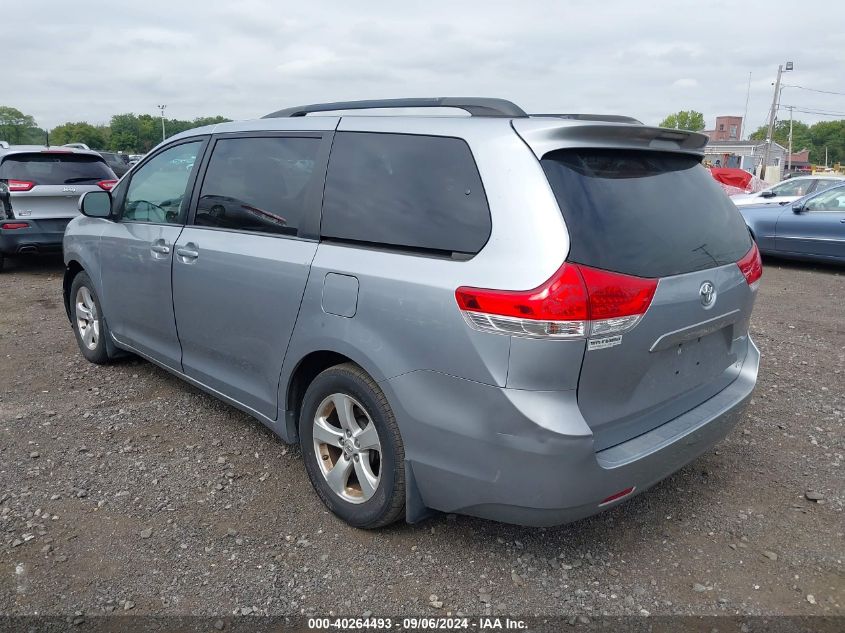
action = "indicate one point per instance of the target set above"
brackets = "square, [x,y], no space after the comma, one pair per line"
[649,214]
[55,169]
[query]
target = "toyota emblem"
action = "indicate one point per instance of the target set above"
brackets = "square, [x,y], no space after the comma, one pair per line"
[707,292]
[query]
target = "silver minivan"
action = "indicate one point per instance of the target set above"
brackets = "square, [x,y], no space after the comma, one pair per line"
[524,318]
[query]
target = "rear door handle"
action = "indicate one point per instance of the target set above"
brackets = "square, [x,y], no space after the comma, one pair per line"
[188,253]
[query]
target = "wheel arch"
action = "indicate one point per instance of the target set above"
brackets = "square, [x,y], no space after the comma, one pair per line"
[308,367]
[72,269]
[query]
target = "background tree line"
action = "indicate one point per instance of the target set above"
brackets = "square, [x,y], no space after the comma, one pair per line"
[815,137]
[138,133]
[130,133]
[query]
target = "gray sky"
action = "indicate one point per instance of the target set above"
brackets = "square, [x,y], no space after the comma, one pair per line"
[87,60]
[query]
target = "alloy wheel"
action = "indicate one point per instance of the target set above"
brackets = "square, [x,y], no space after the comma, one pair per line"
[347,446]
[87,320]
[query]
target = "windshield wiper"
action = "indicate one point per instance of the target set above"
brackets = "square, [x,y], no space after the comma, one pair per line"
[83,179]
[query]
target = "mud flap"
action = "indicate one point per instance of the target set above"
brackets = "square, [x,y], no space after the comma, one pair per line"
[415,509]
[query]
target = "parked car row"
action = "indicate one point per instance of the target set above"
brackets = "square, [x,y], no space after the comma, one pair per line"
[39,194]
[802,217]
[118,162]
[40,188]
[465,314]
[811,227]
[788,190]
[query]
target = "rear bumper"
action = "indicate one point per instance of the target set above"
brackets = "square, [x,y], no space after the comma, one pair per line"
[528,457]
[40,236]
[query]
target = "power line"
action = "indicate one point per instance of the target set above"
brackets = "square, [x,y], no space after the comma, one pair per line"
[827,92]
[808,110]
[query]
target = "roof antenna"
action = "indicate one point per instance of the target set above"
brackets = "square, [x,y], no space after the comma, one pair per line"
[745,116]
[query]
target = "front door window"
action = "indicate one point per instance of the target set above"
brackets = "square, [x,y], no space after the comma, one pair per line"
[156,193]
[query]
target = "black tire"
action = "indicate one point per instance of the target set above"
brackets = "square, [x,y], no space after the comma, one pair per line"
[98,353]
[387,503]
[2,261]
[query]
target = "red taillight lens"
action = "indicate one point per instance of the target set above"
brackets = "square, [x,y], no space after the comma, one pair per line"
[751,265]
[20,185]
[563,297]
[614,295]
[576,301]
[106,185]
[11,226]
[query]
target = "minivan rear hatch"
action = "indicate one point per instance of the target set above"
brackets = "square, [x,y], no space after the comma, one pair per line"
[46,184]
[655,214]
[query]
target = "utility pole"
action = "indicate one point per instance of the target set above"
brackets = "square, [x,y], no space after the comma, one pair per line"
[772,116]
[162,107]
[789,156]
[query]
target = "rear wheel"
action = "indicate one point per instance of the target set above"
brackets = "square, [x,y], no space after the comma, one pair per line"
[352,448]
[88,323]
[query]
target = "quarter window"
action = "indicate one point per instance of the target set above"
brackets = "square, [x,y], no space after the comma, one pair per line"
[157,191]
[406,191]
[257,184]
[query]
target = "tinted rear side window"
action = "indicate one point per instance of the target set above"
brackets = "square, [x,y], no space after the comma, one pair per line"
[649,214]
[258,184]
[55,169]
[417,192]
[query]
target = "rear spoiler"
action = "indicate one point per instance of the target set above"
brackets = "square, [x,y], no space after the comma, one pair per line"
[546,135]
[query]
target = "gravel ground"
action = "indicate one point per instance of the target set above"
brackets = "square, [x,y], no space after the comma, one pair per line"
[124,489]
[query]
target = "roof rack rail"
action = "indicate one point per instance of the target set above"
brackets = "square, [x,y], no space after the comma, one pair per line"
[607,118]
[476,106]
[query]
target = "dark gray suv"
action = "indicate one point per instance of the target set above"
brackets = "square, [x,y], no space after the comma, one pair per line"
[525,318]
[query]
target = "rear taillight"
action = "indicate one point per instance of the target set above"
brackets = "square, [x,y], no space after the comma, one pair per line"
[557,308]
[20,185]
[576,301]
[751,265]
[11,226]
[106,185]
[617,302]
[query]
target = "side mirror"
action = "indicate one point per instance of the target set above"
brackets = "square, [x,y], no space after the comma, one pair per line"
[95,204]
[767,194]
[797,208]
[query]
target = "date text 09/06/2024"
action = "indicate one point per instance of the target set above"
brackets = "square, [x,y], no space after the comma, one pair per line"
[418,624]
